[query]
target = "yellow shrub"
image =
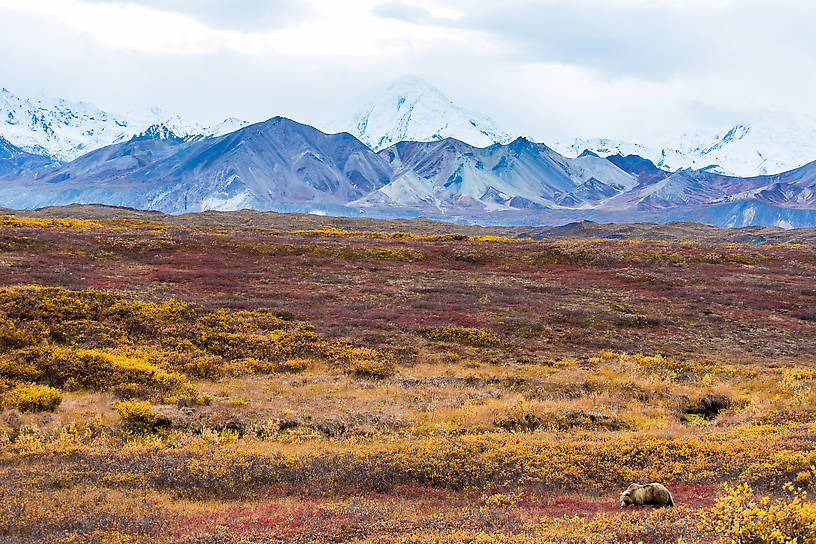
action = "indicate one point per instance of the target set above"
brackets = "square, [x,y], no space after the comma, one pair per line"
[138,416]
[10,336]
[36,398]
[781,466]
[501,499]
[96,369]
[293,365]
[39,223]
[455,236]
[371,368]
[461,335]
[501,239]
[740,518]
[375,253]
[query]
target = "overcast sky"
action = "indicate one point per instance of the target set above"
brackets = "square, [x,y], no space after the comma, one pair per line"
[549,69]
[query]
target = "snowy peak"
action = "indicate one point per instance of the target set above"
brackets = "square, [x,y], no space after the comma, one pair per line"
[766,143]
[16,163]
[230,124]
[56,127]
[158,131]
[410,109]
[64,130]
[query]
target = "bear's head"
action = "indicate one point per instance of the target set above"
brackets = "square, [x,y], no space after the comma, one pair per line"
[626,496]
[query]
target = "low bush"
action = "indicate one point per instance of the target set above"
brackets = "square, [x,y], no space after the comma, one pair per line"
[461,335]
[96,370]
[139,417]
[371,368]
[293,365]
[275,345]
[741,518]
[42,223]
[36,398]
[517,421]
[202,399]
[10,336]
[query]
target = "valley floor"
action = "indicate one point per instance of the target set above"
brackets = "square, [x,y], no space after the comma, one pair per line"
[226,378]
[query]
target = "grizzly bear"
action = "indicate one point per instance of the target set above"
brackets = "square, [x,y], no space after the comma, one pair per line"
[654,493]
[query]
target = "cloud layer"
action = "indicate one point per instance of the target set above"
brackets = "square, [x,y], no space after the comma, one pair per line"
[242,15]
[547,68]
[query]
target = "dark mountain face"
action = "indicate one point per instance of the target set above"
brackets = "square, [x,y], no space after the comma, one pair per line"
[644,169]
[16,163]
[263,166]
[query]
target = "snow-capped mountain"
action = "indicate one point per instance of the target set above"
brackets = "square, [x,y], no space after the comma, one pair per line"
[55,152]
[410,109]
[66,130]
[767,143]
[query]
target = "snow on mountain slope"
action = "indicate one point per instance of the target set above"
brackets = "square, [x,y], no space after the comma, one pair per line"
[408,191]
[66,130]
[230,124]
[664,157]
[412,110]
[767,143]
[589,166]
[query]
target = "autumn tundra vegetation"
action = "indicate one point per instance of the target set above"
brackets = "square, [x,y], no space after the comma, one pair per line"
[269,378]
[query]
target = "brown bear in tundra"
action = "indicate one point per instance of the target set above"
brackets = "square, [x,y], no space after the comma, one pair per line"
[654,494]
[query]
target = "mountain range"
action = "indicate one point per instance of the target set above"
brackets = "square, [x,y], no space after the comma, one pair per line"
[283,165]
[64,130]
[764,143]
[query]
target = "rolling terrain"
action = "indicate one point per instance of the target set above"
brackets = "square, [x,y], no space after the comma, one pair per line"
[259,377]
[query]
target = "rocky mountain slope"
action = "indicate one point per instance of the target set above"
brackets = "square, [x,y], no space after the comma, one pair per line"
[265,166]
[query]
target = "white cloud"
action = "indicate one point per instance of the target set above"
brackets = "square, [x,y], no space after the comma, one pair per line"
[247,15]
[336,29]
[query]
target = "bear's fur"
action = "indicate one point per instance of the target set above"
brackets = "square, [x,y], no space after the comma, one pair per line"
[654,494]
